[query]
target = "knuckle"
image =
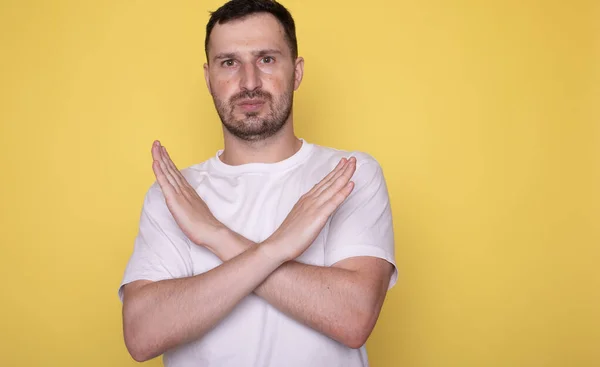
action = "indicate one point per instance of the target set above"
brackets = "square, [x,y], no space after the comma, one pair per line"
[339,197]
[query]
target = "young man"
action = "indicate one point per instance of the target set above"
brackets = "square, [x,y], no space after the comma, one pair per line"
[276,251]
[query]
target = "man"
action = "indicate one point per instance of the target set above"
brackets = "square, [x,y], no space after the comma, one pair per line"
[267,254]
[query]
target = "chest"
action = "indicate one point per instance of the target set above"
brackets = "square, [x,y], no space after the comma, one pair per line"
[254,206]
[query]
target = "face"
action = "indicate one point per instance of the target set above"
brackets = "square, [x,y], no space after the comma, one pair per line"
[251,76]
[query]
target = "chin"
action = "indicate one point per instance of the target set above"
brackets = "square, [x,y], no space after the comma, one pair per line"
[250,119]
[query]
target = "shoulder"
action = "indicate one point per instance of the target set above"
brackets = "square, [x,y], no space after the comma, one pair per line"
[197,172]
[367,166]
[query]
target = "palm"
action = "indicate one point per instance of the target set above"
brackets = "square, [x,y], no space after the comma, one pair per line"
[189,210]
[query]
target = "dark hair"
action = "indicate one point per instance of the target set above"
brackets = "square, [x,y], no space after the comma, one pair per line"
[237,9]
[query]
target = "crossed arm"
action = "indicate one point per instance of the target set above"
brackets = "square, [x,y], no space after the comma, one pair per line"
[342,301]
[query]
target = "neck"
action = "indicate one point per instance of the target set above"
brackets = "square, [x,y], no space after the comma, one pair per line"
[276,148]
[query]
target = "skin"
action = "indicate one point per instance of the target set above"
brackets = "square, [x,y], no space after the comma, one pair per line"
[342,301]
[249,56]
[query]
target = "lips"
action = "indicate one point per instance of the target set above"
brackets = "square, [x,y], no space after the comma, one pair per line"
[250,105]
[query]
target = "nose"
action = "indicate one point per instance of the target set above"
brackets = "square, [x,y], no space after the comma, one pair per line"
[250,79]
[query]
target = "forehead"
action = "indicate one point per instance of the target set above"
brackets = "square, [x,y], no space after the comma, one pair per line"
[256,31]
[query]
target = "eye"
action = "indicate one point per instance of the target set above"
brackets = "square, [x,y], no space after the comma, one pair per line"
[267,60]
[228,63]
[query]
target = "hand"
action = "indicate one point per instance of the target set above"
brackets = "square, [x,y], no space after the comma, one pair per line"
[308,217]
[189,210]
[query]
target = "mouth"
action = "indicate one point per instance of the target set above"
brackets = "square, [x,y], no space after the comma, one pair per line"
[250,105]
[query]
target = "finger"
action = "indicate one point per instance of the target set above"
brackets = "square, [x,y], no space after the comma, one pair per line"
[165,184]
[347,172]
[165,170]
[172,164]
[172,169]
[337,168]
[340,182]
[337,199]
[349,162]
[166,187]
[155,150]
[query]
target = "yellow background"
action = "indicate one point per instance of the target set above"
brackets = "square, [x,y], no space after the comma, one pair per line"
[484,116]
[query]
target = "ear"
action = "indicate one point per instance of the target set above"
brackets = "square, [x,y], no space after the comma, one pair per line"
[207,77]
[298,72]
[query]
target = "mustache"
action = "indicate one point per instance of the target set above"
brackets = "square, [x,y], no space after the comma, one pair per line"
[250,95]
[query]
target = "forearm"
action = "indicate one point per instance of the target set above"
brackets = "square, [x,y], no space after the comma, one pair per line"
[330,300]
[161,315]
[336,302]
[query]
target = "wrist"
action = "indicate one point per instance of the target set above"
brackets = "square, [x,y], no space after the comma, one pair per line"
[273,250]
[227,244]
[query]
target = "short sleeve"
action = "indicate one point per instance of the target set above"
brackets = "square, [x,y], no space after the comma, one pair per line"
[362,225]
[160,249]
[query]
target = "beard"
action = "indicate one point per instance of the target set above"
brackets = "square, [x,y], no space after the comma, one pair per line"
[253,127]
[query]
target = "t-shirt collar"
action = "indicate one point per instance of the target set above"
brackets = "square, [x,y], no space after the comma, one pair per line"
[280,166]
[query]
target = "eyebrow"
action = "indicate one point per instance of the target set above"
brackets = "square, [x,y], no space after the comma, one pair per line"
[259,53]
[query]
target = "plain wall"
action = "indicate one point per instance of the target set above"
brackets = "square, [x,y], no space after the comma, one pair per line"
[483,114]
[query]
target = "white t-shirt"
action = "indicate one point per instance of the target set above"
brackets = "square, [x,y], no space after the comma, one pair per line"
[253,200]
